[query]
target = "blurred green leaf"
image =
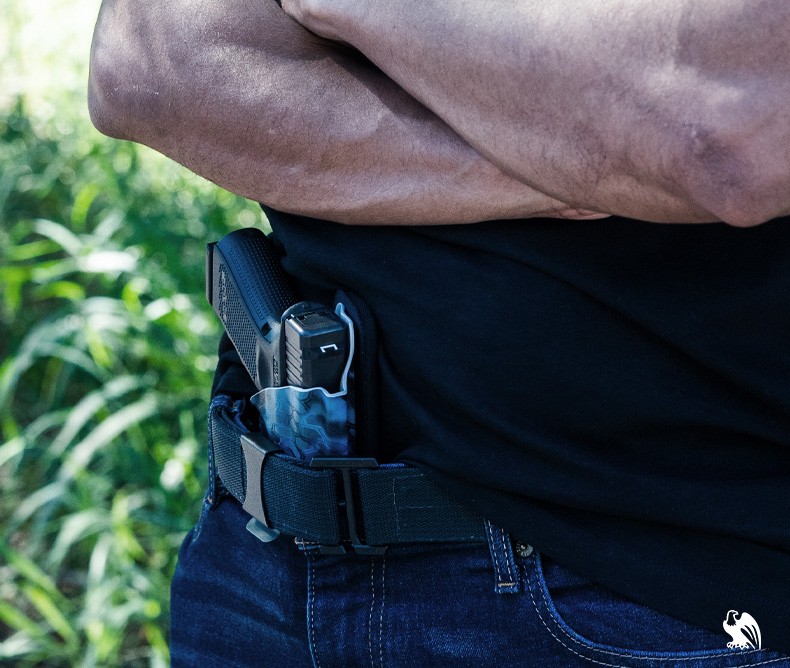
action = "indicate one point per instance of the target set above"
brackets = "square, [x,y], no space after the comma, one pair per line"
[106,358]
[30,572]
[60,234]
[82,203]
[11,280]
[35,500]
[74,528]
[64,289]
[11,449]
[49,611]
[111,427]
[16,620]
[97,566]
[111,223]
[31,250]
[27,642]
[89,406]
[158,643]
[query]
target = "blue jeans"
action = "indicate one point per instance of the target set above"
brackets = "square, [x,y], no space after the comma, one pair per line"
[238,602]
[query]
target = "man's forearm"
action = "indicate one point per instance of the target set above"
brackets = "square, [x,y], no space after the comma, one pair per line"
[662,111]
[244,96]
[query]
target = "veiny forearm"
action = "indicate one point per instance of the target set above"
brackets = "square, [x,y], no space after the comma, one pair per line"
[246,97]
[674,110]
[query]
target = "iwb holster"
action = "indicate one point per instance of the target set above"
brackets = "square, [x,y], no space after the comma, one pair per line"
[336,502]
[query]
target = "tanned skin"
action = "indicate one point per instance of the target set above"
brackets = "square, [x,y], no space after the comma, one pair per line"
[656,110]
[243,95]
[668,112]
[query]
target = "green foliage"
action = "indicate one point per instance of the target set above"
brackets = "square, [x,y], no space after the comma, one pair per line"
[106,357]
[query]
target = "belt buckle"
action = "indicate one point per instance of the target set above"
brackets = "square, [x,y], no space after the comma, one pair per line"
[345,465]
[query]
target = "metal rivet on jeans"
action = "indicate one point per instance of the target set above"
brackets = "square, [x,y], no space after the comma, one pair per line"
[522,549]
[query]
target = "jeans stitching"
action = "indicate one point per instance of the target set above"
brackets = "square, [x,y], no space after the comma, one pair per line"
[311,593]
[370,616]
[718,655]
[381,615]
[199,525]
[570,649]
[508,558]
[397,510]
[494,547]
[494,552]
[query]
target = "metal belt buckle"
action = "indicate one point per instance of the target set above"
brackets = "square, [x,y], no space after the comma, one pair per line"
[256,448]
[346,464]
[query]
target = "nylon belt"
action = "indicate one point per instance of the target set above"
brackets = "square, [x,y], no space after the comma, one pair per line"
[334,501]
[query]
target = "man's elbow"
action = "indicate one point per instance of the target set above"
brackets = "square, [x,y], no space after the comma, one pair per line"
[110,97]
[757,206]
[742,178]
[103,102]
[125,69]
[747,203]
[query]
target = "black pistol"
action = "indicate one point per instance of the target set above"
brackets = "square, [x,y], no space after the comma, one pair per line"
[280,341]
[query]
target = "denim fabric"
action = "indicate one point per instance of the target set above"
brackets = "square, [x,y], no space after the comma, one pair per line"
[238,602]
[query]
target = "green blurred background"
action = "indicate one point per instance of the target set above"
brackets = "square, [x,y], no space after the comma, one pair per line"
[106,355]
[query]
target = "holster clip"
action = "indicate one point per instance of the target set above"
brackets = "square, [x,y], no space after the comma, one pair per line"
[256,448]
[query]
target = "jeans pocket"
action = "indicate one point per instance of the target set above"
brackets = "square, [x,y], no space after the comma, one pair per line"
[601,626]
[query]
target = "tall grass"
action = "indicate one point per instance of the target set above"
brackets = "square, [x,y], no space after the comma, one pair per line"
[106,355]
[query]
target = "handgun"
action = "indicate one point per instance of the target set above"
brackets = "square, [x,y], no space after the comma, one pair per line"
[280,340]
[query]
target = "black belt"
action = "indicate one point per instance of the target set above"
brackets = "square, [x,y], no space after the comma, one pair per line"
[333,501]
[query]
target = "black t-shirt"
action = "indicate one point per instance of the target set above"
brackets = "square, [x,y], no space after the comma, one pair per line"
[616,393]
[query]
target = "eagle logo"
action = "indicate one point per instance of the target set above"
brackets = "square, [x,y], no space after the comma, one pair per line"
[743,629]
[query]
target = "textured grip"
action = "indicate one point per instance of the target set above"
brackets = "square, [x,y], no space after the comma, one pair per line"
[262,283]
[249,292]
